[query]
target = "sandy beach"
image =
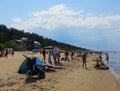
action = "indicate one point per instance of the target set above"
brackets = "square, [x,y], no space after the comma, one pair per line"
[71,78]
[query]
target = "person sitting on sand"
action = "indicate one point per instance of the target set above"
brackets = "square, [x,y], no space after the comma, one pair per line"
[98,64]
[49,67]
[2,53]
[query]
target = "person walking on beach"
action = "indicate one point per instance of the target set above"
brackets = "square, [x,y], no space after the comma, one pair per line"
[84,60]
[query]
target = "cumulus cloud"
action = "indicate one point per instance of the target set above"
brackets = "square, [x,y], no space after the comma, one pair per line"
[58,10]
[75,26]
[17,20]
[61,15]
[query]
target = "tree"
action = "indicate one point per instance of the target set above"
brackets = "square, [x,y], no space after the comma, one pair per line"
[3,34]
[12,44]
[8,36]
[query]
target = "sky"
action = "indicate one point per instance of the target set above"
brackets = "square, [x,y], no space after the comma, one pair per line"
[91,24]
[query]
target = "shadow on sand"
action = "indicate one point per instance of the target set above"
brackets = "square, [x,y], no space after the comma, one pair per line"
[32,80]
[88,69]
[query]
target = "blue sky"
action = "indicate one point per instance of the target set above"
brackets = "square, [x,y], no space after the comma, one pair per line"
[92,24]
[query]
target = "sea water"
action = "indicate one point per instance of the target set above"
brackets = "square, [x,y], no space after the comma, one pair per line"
[114,58]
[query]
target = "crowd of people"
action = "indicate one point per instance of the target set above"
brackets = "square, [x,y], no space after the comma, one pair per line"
[103,63]
[71,55]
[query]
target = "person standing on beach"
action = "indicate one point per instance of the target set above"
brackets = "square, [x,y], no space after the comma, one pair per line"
[100,56]
[66,55]
[72,54]
[58,56]
[55,54]
[6,53]
[107,58]
[84,60]
[44,55]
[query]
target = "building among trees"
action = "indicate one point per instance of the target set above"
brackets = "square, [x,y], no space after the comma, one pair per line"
[28,44]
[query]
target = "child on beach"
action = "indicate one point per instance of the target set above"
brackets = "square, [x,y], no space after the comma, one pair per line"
[12,52]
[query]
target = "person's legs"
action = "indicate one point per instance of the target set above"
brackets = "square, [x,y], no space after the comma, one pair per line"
[58,58]
[44,58]
[55,61]
[54,57]
[83,64]
[65,58]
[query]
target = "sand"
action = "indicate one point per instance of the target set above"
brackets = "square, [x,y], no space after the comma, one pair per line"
[71,78]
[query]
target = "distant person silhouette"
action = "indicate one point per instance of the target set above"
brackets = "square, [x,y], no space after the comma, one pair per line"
[44,55]
[84,61]
[107,58]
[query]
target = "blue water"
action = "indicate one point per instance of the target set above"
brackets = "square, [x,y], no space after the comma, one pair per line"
[115,63]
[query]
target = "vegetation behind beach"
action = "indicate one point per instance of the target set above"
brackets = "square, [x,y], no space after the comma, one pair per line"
[9,35]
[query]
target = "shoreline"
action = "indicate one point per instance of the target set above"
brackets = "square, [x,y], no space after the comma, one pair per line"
[114,59]
[116,76]
[71,78]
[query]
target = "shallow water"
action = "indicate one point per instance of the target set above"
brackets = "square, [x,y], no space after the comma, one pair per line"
[115,64]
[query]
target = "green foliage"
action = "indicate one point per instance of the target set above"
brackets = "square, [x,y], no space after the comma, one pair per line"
[1,47]
[12,44]
[19,48]
[7,37]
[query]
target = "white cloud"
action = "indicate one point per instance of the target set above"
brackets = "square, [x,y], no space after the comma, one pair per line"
[57,10]
[83,29]
[61,15]
[17,20]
